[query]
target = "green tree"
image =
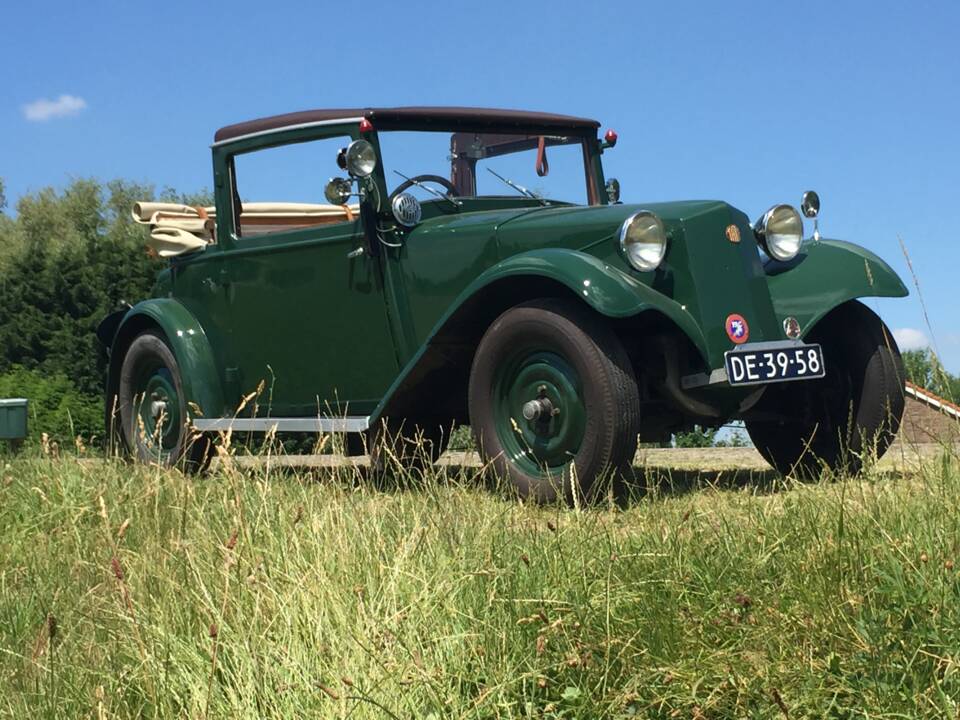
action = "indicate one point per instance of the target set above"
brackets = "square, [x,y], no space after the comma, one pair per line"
[67,260]
[923,368]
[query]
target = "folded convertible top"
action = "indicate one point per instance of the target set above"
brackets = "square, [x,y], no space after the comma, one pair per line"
[176,229]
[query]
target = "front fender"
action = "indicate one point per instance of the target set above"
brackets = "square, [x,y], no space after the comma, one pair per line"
[830,273]
[606,288]
[187,340]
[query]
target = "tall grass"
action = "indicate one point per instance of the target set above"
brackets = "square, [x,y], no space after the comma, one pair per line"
[130,591]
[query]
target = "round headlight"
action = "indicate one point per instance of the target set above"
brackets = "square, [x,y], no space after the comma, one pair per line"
[643,240]
[361,158]
[780,232]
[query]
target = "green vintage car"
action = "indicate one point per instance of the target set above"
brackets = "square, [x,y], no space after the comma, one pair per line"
[475,266]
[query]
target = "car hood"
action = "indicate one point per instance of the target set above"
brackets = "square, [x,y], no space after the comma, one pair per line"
[581,227]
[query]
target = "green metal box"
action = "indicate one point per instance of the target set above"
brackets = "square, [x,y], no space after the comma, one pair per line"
[13,419]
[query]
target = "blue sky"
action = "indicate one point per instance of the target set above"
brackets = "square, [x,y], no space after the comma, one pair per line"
[751,103]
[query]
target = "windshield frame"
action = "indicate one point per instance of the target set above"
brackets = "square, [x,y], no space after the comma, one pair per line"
[585,137]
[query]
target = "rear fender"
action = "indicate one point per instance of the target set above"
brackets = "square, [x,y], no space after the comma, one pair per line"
[187,340]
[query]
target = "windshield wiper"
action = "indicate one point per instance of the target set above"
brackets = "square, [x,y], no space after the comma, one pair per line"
[456,203]
[519,188]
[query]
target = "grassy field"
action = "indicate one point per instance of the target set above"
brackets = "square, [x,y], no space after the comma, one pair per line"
[270,592]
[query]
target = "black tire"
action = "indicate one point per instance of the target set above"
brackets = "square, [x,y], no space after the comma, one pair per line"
[150,374]
[564,355]
[852,413]
[405,445]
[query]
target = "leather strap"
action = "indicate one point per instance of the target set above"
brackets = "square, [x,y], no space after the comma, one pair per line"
[543,166]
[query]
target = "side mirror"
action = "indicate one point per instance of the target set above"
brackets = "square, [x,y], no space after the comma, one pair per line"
[338,191]
[810,204]
[613,190]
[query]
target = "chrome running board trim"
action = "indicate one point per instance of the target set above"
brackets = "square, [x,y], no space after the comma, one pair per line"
[277,424]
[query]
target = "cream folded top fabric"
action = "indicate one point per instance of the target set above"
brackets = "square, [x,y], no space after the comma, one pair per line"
[178,229]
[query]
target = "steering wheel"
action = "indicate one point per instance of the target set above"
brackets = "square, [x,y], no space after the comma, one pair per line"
[406,184]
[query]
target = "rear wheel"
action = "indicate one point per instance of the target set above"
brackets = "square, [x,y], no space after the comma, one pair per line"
[553,401]
[852,413]
[153,408]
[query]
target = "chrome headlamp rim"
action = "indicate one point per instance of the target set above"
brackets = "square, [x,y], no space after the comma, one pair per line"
[771,248]
[360,158]
[638,262]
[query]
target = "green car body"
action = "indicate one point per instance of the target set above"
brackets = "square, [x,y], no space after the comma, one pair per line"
[343,327]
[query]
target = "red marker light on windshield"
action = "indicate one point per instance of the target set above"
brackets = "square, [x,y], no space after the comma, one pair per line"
[610,137]
[366,126]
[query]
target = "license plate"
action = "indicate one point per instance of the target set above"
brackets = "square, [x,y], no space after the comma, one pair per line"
[761,363]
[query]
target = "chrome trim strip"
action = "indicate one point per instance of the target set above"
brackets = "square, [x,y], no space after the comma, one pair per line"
[770,345]
[317,424]
[274,131]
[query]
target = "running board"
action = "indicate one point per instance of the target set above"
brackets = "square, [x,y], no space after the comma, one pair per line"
[276,424]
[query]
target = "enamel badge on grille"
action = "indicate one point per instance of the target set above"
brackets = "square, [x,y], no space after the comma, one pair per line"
[737,328]
[791,328]
[733,233]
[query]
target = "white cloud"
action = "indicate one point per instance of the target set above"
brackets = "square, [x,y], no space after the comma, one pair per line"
[910,338]
[43,109]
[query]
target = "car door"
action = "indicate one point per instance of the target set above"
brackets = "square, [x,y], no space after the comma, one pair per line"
[307,312]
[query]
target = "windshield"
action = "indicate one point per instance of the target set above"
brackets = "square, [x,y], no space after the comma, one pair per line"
[550,168]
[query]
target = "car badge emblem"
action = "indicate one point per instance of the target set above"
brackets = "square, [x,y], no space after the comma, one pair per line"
[737,328]
[791,327]
[733,233]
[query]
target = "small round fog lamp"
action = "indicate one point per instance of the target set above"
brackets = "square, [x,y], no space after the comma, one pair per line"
[337,191]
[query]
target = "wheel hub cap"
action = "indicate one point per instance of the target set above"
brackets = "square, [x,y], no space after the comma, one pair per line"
[159,410]
[540,410]
[158,407]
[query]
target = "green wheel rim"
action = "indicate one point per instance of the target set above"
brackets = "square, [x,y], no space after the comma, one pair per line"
[157,406]
[547,385]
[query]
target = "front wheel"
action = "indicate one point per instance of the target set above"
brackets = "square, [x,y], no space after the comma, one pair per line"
[852,413]
[553,400]
[153,408]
